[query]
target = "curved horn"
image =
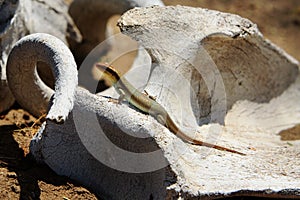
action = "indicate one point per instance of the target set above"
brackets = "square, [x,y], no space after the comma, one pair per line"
[27,87]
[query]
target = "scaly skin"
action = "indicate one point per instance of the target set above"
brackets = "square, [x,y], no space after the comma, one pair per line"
[146,104]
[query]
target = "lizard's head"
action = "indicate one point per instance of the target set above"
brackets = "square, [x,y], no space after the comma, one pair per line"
[109,72]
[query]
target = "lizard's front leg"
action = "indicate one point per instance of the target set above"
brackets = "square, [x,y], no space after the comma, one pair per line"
[122,95]
[120,99]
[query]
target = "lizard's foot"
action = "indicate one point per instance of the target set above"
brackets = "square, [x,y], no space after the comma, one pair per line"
[113,100]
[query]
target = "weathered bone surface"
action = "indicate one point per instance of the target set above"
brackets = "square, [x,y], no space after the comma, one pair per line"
[22,17]
[222,61]
[261,87]
[107,148]
[26,85]
[226,55]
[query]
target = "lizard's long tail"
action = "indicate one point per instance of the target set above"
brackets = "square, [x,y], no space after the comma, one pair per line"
[187,138]
[201,143]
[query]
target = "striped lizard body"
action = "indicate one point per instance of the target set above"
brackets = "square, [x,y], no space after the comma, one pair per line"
[148,105]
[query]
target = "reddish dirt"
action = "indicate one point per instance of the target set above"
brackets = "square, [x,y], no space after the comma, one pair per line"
[22,178]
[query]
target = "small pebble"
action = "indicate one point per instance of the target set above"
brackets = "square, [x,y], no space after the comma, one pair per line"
[11,175]
[15,189]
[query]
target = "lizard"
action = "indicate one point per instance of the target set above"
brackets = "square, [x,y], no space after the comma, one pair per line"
[149,105]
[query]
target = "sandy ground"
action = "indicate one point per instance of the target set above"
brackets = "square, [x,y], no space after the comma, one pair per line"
[22,178]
